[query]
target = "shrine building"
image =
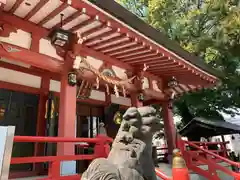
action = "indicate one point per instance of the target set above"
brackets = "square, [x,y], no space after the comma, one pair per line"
[68,65]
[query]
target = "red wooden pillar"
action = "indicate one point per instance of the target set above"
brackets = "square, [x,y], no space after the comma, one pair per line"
[41,120]
[135,101]
[67,110]
[169,128]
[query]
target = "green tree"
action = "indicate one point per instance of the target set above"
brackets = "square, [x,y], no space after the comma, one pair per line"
[138,7]
[210,29]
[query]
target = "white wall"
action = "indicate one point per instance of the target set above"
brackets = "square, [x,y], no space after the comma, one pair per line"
[11,76]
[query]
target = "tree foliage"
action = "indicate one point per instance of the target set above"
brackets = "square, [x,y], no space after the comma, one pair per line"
[210,29]
[138,7]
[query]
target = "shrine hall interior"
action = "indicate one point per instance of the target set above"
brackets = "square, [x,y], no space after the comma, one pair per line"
[54,53]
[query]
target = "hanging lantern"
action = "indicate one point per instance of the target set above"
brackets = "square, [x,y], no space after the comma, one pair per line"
[60,37]
[172,82]
[72,78]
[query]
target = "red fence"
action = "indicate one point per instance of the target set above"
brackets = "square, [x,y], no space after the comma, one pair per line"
[197,153]
[101,149]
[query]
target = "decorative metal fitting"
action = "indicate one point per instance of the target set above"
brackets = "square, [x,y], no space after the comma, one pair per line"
[72,78]
[141,97]
[172,82]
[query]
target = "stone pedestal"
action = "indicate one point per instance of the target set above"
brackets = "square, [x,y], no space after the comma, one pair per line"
[6,144]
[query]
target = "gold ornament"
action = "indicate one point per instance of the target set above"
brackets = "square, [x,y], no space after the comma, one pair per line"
[118,118]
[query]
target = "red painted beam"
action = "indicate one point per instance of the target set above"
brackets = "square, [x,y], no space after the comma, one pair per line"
[123,49]
[23,25]
[95,40]
[19,87]
[110,43]
[19,54]
[35,9]
[96,29]
[165,66]
[53,13]
[150,60]
[15,6]
[155,55]
[31,70]
[84,23]
[98,55]
[68,19]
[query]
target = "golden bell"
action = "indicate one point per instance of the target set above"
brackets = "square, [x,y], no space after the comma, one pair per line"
[178,161]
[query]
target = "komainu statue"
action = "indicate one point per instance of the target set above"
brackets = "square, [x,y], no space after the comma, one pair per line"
[131,154]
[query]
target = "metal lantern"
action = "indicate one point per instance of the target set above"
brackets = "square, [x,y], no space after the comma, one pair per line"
[60,37]
[173,82]
[72,78]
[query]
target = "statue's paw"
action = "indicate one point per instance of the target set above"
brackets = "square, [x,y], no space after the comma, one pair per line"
[130,114]
[131,120]
[150,122]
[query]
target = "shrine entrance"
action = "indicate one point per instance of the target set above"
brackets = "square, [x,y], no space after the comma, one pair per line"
[20,110]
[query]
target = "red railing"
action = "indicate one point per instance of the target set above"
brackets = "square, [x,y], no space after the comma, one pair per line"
[222,150]
[201,155]
[100,150]
[160,174]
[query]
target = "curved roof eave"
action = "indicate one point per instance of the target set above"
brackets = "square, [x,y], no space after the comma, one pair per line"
[136,23]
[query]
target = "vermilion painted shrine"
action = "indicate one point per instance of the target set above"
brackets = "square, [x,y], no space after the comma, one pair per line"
[93,53]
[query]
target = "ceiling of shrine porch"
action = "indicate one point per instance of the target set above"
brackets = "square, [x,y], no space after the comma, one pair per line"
[110,39]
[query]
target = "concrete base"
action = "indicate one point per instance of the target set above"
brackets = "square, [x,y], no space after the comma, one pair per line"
[68,168]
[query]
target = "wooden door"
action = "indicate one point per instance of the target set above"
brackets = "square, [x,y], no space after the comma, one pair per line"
[20,110]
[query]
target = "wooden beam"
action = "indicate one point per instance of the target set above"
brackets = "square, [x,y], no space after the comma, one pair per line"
[32,70]
[15,6]
[35,9]
[53,14]
[23,25]
[98,55]
[19,54]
